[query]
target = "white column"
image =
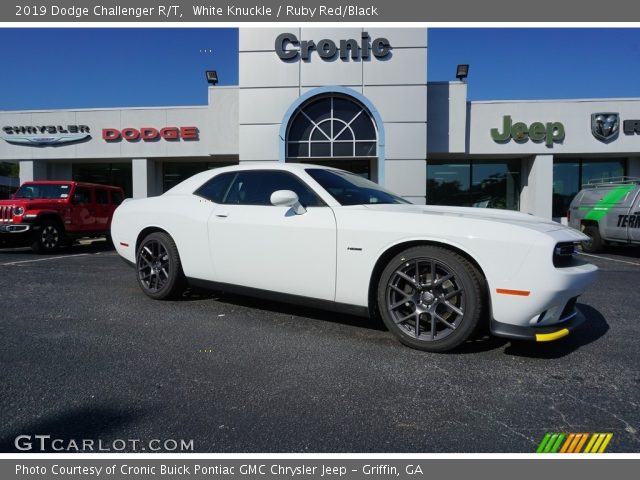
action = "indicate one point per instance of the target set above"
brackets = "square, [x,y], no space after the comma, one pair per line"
[31,170]
[407,178]
[143,177]
[537,186]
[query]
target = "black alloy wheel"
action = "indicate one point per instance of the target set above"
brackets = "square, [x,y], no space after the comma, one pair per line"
[431,298]
[49,238]
[159,271]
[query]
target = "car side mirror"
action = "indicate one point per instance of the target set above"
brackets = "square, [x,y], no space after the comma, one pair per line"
[77,199]
[287,198]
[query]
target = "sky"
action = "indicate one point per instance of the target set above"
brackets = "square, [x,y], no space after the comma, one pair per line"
[521,64]
[103,67]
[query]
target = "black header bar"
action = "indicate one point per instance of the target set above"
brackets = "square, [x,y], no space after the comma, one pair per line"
[366,11]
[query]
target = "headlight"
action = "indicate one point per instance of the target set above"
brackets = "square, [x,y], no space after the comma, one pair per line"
[563,254]
[18,211]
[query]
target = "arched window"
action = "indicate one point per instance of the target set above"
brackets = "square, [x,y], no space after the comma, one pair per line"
[331,126]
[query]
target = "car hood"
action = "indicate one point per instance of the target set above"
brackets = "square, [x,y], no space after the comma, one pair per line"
[494,215]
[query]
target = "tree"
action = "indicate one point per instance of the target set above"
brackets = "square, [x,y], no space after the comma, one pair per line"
[9,169]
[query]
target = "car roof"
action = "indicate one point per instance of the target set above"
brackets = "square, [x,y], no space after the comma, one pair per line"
[190,184]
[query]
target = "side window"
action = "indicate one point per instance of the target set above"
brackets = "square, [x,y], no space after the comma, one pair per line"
[82,195]
[254,187]
[102,196]
[216,188]
[116,197]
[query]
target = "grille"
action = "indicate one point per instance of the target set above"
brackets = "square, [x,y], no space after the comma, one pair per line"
[6,213]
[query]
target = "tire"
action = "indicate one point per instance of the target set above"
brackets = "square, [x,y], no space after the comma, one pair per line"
[158,267]
[596,244]
[447,308]
[50,237]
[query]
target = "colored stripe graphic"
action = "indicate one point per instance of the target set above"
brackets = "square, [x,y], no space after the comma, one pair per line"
[573,442]
[611,198]
[591,442]
[566,445]
[607,439]
[580,444]
[543,443]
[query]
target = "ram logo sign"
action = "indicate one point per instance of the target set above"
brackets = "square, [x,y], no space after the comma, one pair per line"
[605,126]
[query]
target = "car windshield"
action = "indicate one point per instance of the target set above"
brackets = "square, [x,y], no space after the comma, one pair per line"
[350,189]
[43,190]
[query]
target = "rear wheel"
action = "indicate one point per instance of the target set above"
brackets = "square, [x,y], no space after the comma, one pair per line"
[595,243]
[49,238]
[430,298]
[158,267]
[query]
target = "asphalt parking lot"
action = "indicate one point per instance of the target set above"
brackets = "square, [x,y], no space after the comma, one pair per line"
[85,355]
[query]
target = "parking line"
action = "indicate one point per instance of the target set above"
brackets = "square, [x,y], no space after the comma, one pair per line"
[607,258]
[44,259]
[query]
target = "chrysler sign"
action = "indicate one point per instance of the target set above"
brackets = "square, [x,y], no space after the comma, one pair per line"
[45,135]
[289,48]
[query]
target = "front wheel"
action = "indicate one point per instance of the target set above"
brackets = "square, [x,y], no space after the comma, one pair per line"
[158,267]
[49,238]
[430,298]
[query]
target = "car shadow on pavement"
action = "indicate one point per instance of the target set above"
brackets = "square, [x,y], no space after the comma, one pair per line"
[97,423]
[594,327]
[285,308]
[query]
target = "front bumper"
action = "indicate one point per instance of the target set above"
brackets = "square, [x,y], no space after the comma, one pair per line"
[545,333]
[15,228]
[16,234]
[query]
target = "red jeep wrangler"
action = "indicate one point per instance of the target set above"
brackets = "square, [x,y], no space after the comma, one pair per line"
[49,214]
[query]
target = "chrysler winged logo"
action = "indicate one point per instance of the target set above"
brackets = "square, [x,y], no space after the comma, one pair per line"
[605,125]
[43,140]
[45,135]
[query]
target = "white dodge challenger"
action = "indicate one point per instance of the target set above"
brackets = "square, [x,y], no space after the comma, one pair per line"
[324,237]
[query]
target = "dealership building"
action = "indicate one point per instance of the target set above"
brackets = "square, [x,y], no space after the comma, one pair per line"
[353,98]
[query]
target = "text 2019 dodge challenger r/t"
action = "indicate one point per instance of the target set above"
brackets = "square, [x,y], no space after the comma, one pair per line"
[325,237]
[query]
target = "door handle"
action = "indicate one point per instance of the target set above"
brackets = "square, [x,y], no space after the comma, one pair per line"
[222,215]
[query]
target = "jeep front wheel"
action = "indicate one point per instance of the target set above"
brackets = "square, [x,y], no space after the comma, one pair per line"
[49,238]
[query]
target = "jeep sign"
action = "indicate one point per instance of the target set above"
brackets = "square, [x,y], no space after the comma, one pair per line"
[549,133]
[288,47]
